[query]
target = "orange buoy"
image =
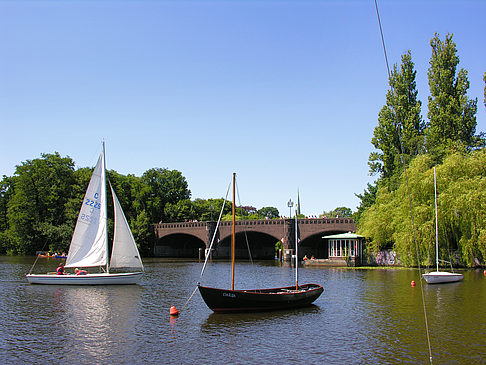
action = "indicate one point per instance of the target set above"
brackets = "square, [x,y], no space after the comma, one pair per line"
[412,283]
[173,311]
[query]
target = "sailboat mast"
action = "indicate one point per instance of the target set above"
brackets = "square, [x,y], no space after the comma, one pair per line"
[436,224]
[233,245]
[103,187]
[296,253]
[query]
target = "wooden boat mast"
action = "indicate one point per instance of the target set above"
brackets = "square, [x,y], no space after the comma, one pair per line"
[233,238]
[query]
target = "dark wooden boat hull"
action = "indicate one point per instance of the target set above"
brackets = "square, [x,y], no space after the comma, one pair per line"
[221,300]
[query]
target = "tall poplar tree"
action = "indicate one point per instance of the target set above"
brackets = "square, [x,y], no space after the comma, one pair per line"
[399,123]
[484,78]
[452,115]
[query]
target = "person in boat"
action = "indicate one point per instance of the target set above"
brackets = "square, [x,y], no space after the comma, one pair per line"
[305,258]
[80,272]
[60,269]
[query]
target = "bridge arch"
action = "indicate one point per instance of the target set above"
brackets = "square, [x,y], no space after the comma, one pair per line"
[315,245]
[179,245]
[189,237]
[261,246]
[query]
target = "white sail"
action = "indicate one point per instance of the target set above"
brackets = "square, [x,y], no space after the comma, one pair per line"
[125,253]
[88,245]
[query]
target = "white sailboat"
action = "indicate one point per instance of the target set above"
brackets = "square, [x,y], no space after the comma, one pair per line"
[89,244]
[438,277]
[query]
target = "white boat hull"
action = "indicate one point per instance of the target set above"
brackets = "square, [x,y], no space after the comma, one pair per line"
[438,277]
[90,279]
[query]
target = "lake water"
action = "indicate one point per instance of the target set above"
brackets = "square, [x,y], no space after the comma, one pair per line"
[362,317]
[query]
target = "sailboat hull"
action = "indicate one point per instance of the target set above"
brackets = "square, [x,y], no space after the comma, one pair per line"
[90,279]
[221,300]
[438,277]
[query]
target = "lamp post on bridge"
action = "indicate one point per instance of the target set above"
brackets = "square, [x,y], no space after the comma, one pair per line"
[290,204]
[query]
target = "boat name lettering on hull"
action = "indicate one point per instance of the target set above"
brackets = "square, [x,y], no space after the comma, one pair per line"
[230,295]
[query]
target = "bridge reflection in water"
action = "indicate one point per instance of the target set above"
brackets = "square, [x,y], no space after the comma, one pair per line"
[186,239]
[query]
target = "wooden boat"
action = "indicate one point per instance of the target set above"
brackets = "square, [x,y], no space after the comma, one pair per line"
[439,277]
[231,300]
[222,300]
[89,244]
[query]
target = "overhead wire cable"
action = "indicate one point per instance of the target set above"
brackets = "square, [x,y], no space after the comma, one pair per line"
[407,183]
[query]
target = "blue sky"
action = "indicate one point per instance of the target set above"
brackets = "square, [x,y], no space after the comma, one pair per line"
[284,93]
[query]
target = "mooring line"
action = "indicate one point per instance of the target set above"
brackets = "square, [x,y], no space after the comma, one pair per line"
[184,306]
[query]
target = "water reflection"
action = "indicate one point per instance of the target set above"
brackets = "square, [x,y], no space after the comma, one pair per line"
[363,316]
[67,323]
[256,318]
[97,320]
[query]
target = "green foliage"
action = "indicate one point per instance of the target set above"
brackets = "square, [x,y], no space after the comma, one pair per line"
[160,187]
[180,211]
[384,215]
[461,182]
[209,209]
[341,212]
[367,199]
[41,191]
[451,113]
[400,127]
[268,212]
[484,79]
[6,191]
[142,231]
[40,204]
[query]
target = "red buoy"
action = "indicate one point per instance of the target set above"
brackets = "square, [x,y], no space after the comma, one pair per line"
[484,272]
[173,311]
[412,283]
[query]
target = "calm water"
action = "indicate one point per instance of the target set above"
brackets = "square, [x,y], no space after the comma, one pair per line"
[363,317]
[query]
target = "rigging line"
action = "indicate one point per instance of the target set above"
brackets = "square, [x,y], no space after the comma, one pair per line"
[408,187]
[37,258]
[246,236]
[215,231]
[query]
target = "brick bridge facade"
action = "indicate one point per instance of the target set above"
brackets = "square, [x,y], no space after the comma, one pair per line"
[255,236]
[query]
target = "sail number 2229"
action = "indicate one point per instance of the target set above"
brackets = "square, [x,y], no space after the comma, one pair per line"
[93,203]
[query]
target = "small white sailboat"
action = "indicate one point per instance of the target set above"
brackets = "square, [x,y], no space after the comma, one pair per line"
[89,244]
[438,277]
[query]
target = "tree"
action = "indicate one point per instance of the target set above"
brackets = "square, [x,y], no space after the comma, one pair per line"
[36,211]
[484,79]
[452,115]
[461,186]
[143,233]
[368,198]
[6,190]
[209,209]
[268,212]
[400,127]
[181,211]
[341,212]
[159,187]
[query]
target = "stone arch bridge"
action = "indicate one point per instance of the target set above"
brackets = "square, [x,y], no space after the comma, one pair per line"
[258,237]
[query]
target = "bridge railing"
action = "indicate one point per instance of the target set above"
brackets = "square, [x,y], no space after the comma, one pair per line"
[257,222]
[180,225]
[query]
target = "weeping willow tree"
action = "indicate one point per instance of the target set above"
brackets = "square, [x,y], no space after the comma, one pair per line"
[461,194]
